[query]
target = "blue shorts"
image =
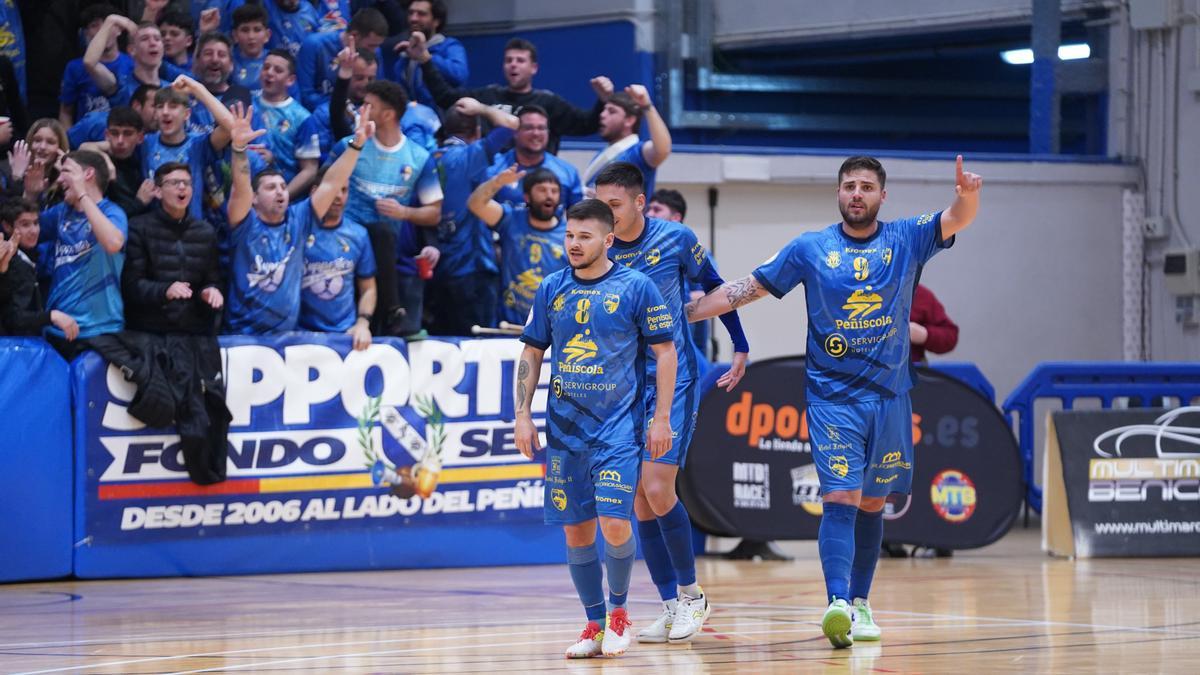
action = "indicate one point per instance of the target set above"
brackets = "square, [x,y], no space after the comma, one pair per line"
[863,446]
[683,419]
[583,485]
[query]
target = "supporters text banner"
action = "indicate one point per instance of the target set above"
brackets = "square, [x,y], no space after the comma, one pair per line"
[323,439]
[750,470]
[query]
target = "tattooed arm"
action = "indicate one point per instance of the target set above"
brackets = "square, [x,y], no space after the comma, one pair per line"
[241,194]
[729,296]
[529,370]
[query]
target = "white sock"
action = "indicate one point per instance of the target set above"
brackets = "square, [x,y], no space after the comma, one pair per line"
[691,590]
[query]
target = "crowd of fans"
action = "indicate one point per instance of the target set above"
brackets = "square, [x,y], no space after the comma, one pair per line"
[252,168]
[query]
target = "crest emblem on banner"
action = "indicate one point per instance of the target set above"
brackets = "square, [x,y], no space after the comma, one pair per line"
[418,458]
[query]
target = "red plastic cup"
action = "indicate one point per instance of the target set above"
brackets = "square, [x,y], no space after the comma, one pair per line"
[424,268]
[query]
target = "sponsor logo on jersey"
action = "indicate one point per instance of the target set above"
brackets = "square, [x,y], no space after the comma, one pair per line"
[833,260]
[577,351]
[861,304]
[559,303]
[835,345]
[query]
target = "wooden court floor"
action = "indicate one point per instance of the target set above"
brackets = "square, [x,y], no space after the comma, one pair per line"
[1006,608]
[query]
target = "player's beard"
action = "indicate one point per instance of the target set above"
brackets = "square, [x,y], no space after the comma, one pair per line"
[587,261]
[860,222]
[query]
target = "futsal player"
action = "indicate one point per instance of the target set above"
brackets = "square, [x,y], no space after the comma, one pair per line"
[670,255]
[858,278]
[599,318]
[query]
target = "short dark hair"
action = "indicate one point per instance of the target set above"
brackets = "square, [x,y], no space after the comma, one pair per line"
[622,174]
[522,45]
[863,162]
[390,94]
[592,209]
[97,12]
[625,102]
[286,56]
[455,123]
[537,177]
[672,199]
[532,108]
[11,209]
[368,21]
[366,55]
[124,116]
[249,13]
[264,174]
[213,36]
[144,94]
[437,8]
[171,95]
[161,172]
[178,18]
[95,161]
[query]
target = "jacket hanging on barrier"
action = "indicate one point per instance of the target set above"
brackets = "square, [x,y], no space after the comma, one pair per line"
[178,379]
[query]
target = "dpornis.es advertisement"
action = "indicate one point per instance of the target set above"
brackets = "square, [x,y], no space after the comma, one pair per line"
[322,437]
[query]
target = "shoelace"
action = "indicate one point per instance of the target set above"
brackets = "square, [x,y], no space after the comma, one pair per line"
[618,622]
[590,631]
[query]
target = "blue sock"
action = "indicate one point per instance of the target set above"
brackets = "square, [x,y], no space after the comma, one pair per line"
[618,560]
[677,533]
[658,561]
[835,541]
[868,538]
[584,563]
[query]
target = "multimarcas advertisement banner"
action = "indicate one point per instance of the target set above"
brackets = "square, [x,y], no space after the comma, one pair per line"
[750,470]
[1123,483]
[323,440]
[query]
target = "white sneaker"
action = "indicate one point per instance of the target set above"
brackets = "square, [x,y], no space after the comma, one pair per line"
[661,628]
[589,642]
[617,636]
[836,624]
[690,614]
[863,626]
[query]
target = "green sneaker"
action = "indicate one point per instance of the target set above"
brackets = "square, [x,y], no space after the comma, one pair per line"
[836,624]
[863,626]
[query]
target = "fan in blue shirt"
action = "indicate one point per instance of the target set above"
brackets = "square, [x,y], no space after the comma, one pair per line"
[317,62]
[80,94]
[269,235]
[290,22]
[88,232]
[529,153]
[858,278]
[283,117]
[531,236]
[250,36]
[599,319]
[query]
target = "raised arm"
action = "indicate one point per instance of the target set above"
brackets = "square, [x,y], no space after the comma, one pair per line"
[656,150]
[241,194]
[109,236]
[443,93]
[481,203]
[339,173]
[529,371]
[729,296]
[495,116]
[104,78]
[224,119]
[962,211]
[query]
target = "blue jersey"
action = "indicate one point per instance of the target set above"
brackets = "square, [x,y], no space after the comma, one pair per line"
[598,331]
[12,40]
[201,120]
[197,152]
[465,241]
[81,93]
[89,129]
[247,71]
[859,294]
[316,69]
[633,155]
[283,122]
[670,255]
[268,261]
[334,257]
[127,87]
[288,29]
[86,279]
[335,14]
[402,172]
[527,255]
[568,178]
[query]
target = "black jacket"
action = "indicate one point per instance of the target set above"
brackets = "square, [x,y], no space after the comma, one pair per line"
[21,310]
[160,251]
[178,380]
[565,119]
